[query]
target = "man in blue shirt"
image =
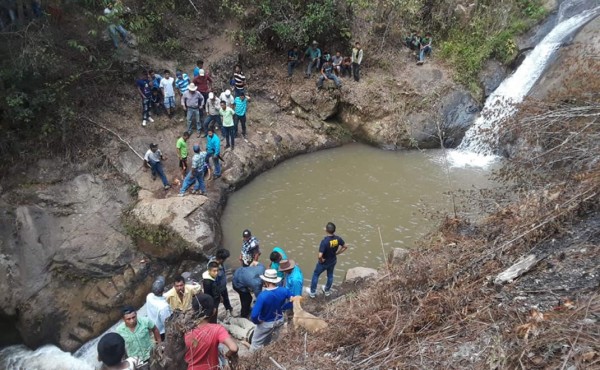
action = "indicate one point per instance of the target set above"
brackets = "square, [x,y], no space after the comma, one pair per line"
[267,313]
[246,281]
[293,276]
[328,251]
[240,106]
[213,148]
[327,73]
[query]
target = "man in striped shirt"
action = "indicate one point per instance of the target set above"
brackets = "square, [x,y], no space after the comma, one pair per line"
[239,81]
[181,83]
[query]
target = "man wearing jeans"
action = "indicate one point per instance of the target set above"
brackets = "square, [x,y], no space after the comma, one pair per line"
[314,58]
[240,105]
[328,74]
[145,90]
[153,159]
[328,251]
[193,103]
[213,148]
[213,105]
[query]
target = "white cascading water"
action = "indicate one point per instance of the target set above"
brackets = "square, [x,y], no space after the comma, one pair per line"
[474,149]
[50,357]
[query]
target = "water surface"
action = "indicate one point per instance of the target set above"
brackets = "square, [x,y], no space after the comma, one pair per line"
[359,188]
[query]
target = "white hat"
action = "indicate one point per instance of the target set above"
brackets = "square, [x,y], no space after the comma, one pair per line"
[227,92]
[271,276]
[202,73]
[211,95]
[192,87]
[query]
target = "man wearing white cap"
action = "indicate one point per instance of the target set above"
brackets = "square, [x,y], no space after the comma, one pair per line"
[227,97]
[213,104]
[267,313]
[193,103]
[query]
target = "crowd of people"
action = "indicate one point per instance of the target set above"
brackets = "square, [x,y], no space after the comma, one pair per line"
[130,345]
[329,67]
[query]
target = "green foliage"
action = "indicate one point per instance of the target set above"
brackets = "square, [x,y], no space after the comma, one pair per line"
[293,22]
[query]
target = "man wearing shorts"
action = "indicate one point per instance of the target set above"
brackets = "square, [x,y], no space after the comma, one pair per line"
[182,152]
[166,85]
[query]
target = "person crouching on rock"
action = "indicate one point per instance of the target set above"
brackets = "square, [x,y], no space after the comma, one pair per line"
[153,159]
[196,175]
[328,74]
[202,342]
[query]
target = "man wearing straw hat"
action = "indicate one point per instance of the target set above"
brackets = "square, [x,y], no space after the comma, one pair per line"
[193,103]
[293,276]
[267,313]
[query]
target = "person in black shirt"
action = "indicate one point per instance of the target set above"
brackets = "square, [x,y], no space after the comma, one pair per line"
[330,247]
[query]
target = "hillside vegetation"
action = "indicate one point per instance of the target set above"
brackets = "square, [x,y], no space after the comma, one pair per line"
[53,66]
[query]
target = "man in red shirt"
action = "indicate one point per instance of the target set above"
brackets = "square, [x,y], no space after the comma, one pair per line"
[202,342]
[204,83]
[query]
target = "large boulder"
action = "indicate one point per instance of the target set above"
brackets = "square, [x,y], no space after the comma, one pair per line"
[360,273]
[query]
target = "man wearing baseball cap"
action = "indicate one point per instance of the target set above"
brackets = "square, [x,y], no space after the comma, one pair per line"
[250,248]
[213,104]
[328,251]
[267,313]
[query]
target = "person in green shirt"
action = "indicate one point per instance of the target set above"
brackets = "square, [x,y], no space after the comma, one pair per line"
[425,47]
[182,153]
[137,333]
[228,124]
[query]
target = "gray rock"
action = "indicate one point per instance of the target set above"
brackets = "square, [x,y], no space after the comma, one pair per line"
[397,256]
[360,272]
[492,75]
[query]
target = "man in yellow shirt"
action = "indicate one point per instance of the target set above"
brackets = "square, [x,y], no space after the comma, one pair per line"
[180,296]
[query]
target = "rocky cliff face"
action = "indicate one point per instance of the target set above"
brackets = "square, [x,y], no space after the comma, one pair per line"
[81,241]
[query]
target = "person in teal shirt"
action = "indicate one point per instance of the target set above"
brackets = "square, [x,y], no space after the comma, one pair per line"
[276,256]
[293,279]
[240,105]
[137,333]
[314,55]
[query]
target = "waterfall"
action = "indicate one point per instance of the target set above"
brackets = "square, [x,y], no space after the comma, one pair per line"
[475,149]
[50,357]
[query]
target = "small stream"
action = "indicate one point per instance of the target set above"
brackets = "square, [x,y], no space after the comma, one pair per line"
[360,188]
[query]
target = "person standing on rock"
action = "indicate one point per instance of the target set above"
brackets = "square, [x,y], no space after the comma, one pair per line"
[330,247]
[138,333]
[180,296]
[196,174]
[182,152]
[424,47]
[157,307]
[357,57]
[202,342]
[193,103]
[213,149]
[293,279]
[144,87]
[220,257]
[267,313]
[168,91]
[228,125]
[153,159]
[246,281]
[204,83]
[210,287]
[213,105]
[240,106]
[239,80]
[314,58]
[250,248]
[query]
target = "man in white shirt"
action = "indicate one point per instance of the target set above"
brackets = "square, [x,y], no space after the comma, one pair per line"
[153,159]
[166,85]
[157,307]
[227,97]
